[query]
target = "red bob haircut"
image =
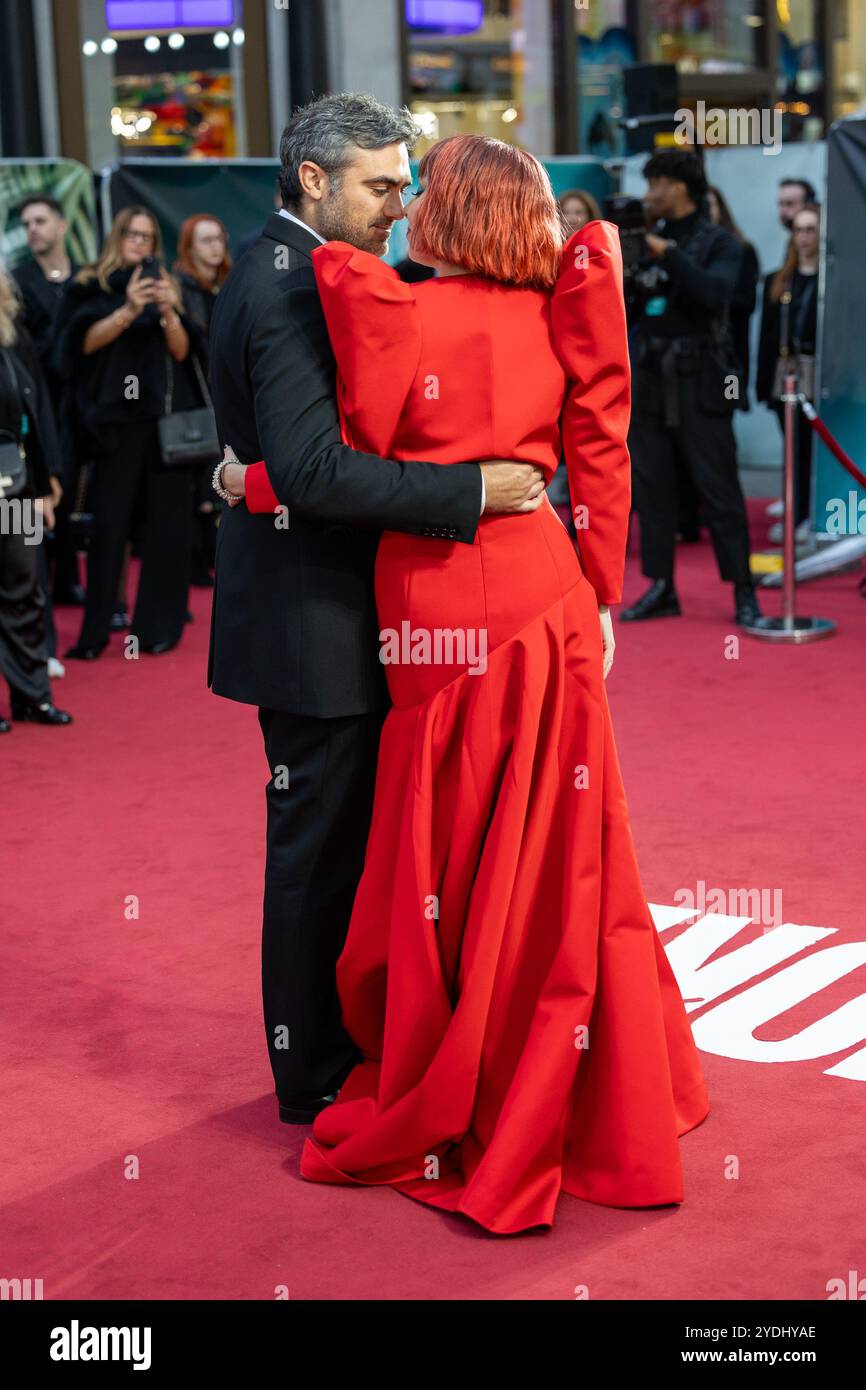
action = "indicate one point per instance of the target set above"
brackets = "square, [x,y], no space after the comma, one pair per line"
[489,208]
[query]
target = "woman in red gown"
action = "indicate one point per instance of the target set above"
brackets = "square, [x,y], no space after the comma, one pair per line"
[521,1028]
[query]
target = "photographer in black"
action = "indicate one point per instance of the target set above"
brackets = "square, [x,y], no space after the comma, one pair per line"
[686,384]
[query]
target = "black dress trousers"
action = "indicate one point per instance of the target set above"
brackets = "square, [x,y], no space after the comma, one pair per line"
[320,802]
[704,445]
[131,481]
[23,653]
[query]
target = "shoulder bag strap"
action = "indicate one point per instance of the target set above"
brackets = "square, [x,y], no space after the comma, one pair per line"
[784,321]
[202,380]
[169,382]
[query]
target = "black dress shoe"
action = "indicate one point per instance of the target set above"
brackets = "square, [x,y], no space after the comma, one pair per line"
[5,726]
[79,653]
[304,1112]
[119,620]
[158,648]
[45,713]
[747,613]
[73,597]
[659,601]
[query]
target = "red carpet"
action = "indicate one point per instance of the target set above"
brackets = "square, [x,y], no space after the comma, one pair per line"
[141,1153]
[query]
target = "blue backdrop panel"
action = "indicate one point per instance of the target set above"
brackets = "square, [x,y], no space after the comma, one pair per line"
[842,351]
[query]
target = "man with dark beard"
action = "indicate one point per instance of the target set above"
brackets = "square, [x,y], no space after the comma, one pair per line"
[294,627]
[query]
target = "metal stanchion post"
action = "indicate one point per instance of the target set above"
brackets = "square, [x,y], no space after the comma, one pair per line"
[790,628]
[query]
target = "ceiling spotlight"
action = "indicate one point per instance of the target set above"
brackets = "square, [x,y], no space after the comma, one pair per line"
[152,43]
[509,114]
[176,40]
[109,45]
[89,48]
[238,37]
[221,39]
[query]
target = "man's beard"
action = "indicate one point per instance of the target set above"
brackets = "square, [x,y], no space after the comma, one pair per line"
[336,224]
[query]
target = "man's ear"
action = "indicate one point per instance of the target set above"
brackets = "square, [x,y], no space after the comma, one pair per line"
[313,180]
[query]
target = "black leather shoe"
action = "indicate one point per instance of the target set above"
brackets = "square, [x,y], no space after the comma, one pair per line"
[659,601]
[73,597]
[45,713]
[747,613]
[5,726]
[304,1112]
[78,653]
[158,648]
[119,620]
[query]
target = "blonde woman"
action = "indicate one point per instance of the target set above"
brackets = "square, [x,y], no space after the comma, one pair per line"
[121,329]
[27,443]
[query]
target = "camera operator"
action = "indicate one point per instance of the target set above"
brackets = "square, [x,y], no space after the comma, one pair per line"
[686,386]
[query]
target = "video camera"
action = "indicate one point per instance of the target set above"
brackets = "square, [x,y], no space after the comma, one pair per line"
[643,276]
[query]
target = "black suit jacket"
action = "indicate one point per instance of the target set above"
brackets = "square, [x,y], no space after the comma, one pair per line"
[294,619]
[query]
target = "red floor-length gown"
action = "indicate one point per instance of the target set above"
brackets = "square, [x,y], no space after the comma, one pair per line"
[521,1027]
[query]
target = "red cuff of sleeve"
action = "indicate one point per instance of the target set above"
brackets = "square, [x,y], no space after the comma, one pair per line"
[260,496]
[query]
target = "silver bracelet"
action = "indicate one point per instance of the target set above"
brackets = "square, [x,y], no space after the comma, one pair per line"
[217,483]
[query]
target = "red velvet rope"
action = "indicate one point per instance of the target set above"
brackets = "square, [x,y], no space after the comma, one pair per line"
[832,444]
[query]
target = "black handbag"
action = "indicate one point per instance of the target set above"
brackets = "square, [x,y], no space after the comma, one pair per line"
[188,437]
[13,459]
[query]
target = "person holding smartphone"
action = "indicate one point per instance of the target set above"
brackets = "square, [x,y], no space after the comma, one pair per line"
[120,330]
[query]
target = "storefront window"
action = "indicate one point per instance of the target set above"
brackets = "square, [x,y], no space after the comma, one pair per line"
[463,68]
[604,48]
[849,58]
[156,89]
[800,75]
[709,36]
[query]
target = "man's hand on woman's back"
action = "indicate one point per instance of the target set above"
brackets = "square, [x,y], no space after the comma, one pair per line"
[512,487]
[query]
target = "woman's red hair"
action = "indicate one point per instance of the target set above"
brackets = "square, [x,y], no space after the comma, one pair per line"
[185,262]
[489,208]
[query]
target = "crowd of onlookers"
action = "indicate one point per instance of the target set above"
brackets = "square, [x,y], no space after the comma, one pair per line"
[98,359]
[101,366]
[691,291]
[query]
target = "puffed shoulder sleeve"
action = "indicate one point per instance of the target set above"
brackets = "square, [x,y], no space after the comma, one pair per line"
[375,333]
[590,336]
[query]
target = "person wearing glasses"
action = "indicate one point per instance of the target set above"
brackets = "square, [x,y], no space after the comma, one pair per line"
[120,328]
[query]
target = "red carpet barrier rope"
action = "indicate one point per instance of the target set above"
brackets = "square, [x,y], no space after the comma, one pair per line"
[833,444]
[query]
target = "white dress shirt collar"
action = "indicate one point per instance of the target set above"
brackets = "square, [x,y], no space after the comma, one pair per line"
[284,212]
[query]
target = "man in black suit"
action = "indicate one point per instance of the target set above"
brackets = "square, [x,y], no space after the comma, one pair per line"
[294,620]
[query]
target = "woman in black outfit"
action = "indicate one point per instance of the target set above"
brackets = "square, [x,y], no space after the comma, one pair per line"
[121,330]
[202,265]
[746,294]
[789,331]
[26,428]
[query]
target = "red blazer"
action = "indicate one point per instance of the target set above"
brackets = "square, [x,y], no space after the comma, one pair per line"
[465,368]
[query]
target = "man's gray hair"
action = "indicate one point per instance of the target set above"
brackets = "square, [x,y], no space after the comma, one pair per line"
[325,130]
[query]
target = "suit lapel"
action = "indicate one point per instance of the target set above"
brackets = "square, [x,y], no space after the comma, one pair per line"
[289,233]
